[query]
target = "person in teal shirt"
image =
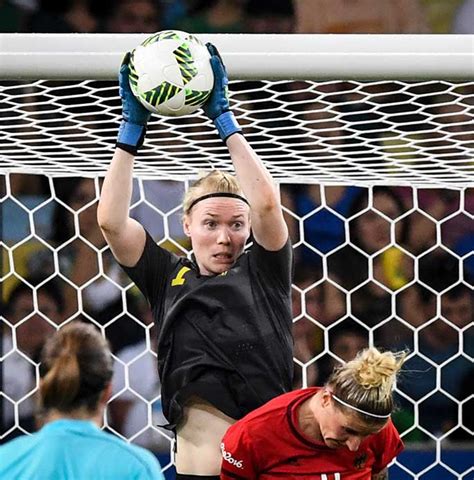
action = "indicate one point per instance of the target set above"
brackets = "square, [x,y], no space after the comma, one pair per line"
[76,372]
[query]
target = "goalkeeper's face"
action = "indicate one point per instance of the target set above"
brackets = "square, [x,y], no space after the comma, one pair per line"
[218,228]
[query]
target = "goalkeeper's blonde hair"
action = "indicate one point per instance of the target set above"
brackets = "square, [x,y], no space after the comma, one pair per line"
[212,182]
[367,382]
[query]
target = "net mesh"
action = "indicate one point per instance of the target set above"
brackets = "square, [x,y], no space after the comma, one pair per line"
[334,132]
[372,270]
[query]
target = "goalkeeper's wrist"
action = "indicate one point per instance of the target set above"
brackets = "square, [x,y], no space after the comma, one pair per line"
[130,136]
[227,125]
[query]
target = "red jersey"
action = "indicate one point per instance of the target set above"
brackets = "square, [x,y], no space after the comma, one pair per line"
[269,444]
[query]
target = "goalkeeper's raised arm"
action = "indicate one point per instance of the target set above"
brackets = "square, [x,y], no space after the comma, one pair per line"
[125,236]
[268,226]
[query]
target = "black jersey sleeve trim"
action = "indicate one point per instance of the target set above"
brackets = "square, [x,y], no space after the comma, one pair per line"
[152,269]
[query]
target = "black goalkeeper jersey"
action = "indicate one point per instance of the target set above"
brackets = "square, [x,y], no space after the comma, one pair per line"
[225,338]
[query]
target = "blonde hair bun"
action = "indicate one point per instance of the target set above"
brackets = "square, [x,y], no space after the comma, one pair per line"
[366,383]
[375,369]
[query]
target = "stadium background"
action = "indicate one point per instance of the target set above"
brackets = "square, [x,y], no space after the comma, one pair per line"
[411,297]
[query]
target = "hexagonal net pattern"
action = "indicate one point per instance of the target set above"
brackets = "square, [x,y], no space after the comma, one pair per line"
[376,182]
[375,265]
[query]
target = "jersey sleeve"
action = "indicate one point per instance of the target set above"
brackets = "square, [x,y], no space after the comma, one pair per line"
[389,445]
[276,267]
[238,458]
[152,270]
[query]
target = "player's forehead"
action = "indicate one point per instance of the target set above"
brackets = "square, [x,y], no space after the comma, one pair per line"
[354,423]
[221,207]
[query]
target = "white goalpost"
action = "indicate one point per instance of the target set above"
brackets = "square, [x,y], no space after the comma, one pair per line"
[326,113]
[257,56]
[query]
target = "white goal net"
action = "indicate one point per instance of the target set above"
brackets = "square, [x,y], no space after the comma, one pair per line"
[372,142]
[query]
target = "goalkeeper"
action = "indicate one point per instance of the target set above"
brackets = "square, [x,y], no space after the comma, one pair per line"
[223,317]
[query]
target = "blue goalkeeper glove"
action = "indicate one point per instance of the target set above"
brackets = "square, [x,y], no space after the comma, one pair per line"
[134,115]
[217,106]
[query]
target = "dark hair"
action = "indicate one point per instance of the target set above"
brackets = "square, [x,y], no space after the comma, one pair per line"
[361,201]
[60,7]
[52,289]
[348,328]
[198,7]
[276,7]
[438,270]
[76,366]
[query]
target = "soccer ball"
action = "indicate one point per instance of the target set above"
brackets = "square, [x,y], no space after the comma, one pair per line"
[171,74]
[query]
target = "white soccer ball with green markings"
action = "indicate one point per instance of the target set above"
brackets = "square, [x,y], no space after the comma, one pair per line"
[171,74]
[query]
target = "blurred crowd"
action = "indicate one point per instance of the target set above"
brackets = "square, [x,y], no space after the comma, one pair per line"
[237,16]
[388,265]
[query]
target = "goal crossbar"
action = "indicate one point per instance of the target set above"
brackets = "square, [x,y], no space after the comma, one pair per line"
[270,56]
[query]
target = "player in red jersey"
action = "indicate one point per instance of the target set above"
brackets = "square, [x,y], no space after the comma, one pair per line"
[341,431]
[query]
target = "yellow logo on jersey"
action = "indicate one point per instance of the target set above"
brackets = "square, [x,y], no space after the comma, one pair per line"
[179,280]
